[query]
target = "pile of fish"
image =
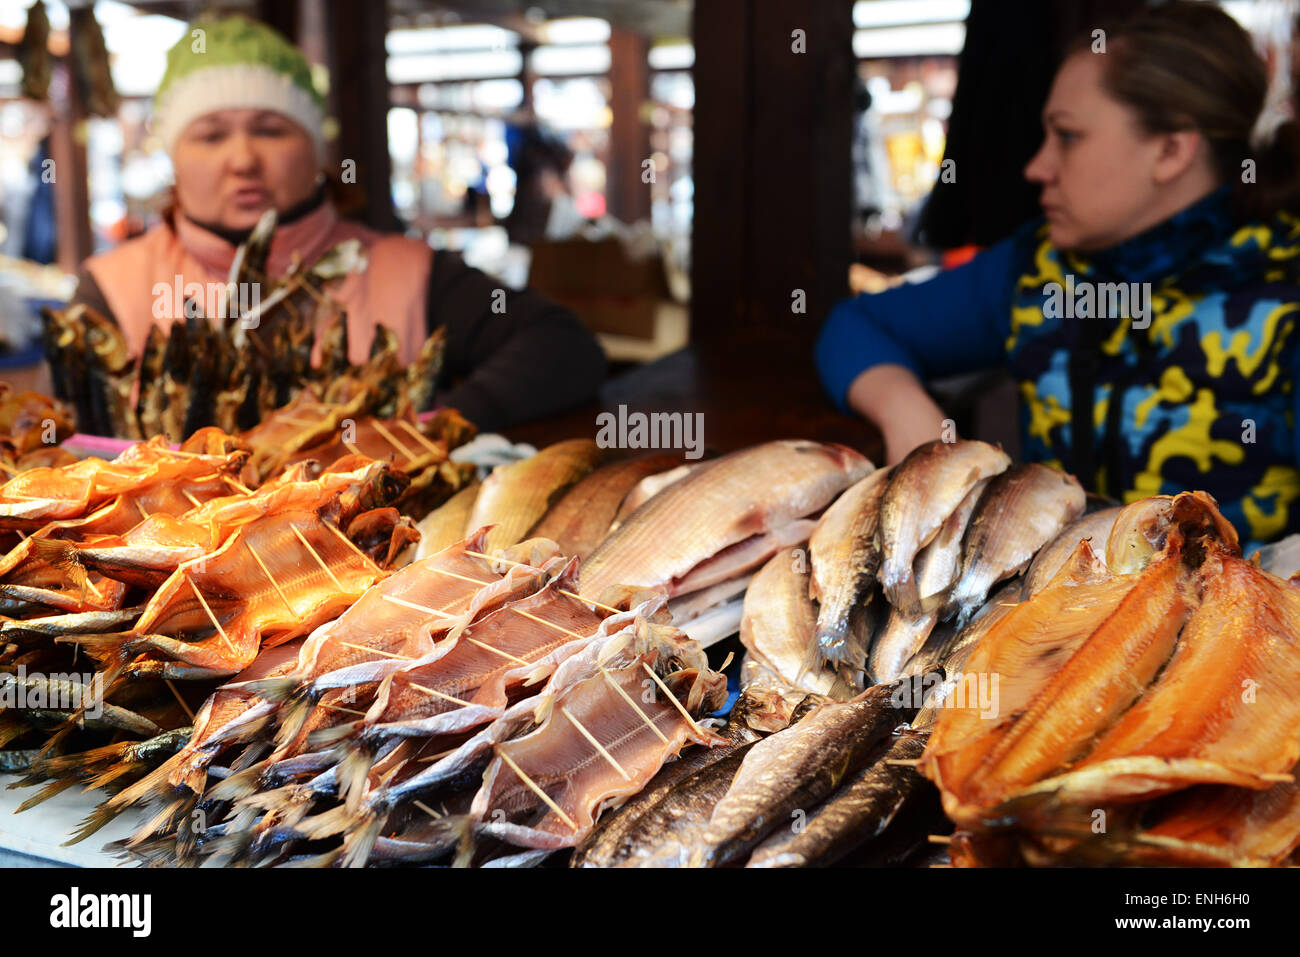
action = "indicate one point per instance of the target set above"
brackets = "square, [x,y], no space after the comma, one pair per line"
[469,706]
[31,427]
[233,370]
[905,555]
[1146,707]
[120,578]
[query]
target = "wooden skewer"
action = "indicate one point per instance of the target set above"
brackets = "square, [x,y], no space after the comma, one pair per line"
[426,809]
[903,762]
[351,447]
[671,697]
[292,420]
[6,468]
[393,440]
[438,694]
[339,707]
[320,561]
[204,602]
[140,508]
[727,661]
[178,697]
[589,601]
[594,743]
[543,621]
[376,651]
[536,789]
[370,562]
[496,651]
[464,578]
[1280,778]
[420,437]
[932,866]
[237,485]
[939,838]
[635,707]
[274,584]
[417,607]
[193,501]
[440,755]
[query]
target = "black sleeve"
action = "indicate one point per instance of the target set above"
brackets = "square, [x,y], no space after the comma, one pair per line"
[511,356]
[88,293]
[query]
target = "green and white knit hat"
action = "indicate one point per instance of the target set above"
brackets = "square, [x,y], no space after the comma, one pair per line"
[235,63]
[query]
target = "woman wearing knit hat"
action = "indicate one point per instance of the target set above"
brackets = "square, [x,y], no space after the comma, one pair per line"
[239,116]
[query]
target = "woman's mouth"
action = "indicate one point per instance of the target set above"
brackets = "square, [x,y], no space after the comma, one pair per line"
[250,197]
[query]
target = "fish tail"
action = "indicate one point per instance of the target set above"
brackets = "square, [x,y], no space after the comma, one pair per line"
[273,689]
[156,784]
[55,787]
[295,715]
[360,841]
[238,785]
[328,859]
[352,774]
[326,824]
[164,823]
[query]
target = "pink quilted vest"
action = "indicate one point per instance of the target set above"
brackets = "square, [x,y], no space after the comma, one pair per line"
[392,289]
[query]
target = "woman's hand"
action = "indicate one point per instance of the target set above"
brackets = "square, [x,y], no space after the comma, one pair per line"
[891,397]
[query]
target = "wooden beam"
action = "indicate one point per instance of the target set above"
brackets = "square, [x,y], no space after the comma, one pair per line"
[68,132]
[772,167]
[356,58]
[629,135]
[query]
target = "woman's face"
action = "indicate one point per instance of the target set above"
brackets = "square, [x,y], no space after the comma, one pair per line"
[233,165]
[1104,178]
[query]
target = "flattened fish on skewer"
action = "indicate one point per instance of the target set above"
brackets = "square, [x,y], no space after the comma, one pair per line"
[717,506]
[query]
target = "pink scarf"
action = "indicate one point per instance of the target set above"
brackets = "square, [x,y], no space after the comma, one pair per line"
[141,278]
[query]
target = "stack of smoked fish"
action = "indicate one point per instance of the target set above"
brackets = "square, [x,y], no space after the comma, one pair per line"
[234,368]
[901,560]
[489,700]
[469,705]
[123,580]
[1147,708]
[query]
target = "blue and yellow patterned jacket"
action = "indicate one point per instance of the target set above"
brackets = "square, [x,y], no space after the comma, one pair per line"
[1191,324]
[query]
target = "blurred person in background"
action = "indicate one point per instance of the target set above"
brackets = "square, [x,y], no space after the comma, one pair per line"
[244,128]
[1158,183]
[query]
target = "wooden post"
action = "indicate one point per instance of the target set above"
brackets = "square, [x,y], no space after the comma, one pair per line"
[68,133]
[772,166]
[357,63]
[629,134]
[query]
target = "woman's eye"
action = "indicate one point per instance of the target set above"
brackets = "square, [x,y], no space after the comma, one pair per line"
[1066,136]
[273,131]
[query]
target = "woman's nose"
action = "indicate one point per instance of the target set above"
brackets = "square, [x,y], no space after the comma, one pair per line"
[240,154]
[1038,169]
